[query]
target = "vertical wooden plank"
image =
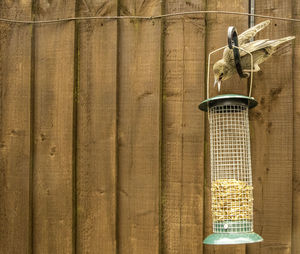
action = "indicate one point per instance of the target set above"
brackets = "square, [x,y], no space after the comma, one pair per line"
[272,139]
[53,129]
[183,129]
[296,139]
[216,37]
[15,161]
[139,128]
[96,152]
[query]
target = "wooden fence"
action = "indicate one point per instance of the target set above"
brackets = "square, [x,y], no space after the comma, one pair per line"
[102,147]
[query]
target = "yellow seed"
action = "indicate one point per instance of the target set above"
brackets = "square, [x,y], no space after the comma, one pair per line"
[231,200]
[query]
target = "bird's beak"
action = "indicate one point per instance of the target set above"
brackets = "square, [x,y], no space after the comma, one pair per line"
[218,82]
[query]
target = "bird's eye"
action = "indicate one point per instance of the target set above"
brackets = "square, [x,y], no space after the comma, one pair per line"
[221,76]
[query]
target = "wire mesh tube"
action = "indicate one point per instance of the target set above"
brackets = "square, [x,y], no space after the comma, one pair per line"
[231,174]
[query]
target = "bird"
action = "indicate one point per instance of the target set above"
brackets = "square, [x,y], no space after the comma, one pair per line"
[260,49]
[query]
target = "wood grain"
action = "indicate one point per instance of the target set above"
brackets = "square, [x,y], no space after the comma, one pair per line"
[216,37]
[139,129]
[296,139]
[183,130]
[15,129]
[119,115]
[96,139]
[272,139]
[53,129]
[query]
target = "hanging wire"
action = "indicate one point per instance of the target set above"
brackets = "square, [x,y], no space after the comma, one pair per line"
[145,17]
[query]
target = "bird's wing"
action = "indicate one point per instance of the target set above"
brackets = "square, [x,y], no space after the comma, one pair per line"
[263,46]
[249,47]
[256,45]
[244,38]
[251,32]
[270,46]
[260,50]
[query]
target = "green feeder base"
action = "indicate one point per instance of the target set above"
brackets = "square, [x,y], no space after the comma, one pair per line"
[232,238]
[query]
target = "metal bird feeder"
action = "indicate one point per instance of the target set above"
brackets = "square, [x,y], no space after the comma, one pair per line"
[231,173]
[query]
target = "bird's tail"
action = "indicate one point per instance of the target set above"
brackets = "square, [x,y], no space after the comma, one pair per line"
[281,46]
[279,42]
[289,38]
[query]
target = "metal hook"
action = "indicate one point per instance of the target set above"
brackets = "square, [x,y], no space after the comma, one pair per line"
[234,44]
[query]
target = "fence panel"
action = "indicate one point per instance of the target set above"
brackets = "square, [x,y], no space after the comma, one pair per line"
[96,125]
[216,37]
[103,149]
[53,129]
[183,130]
[296,139]
[272,138]
[139,106]
[15,129]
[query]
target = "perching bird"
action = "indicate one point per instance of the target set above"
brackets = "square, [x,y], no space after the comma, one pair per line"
[260,49]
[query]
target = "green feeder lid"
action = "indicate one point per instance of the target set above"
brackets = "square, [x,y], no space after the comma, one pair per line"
[228,99]
[232,238]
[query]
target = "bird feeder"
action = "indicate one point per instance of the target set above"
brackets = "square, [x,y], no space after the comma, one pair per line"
[230,161]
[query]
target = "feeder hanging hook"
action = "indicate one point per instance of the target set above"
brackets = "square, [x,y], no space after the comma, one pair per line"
[233,41]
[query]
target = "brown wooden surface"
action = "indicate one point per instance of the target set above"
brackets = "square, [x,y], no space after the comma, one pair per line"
[216,37]
[296,154]
[183,130]
[15,124]
[102,147]
[139,129]
[272,139]
[96,136]
[53,130]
